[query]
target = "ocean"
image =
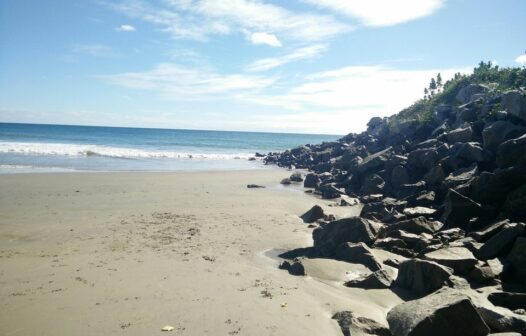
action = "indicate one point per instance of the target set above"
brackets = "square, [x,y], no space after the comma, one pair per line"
[58,148]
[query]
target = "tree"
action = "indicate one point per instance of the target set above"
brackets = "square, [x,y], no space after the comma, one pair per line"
[426,92]
[439,81]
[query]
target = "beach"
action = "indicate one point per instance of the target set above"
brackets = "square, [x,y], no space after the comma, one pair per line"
[128,253]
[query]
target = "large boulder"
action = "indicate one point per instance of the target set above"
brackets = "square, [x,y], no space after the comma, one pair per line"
[315,213]
[447,312]
[350,324]
[374,162]
[459,209]
[509,300]
[399,176]
[373,184]
[421,276]
[460,259]
[517,259]
[514,102]
[416,225]
[511,152]
[515,205]
[501,243]
[501,321]
[466,94]
[312,180]
[358,253]
[353,230]
[460,135]
[296,177]
[376,280]
[470,152]
[423,158]
[488,231]
[498,132]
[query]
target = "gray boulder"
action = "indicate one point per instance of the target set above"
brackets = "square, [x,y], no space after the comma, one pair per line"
[460,259]
[466,94]
[501,243]
[358,253]
[515,205]
[460,209]
[376,280]
[489,231]
[311,181]
[354,230]
[501,322]
[399,176]
[416,225]
[423,158]
[514,102]
[421,276]
[446,312]
[517,259]
[470,152]
[374,162]
[296,177]
[498,132]
[512,301]
[315,213]
[460,135]
[511,152]
[351,324]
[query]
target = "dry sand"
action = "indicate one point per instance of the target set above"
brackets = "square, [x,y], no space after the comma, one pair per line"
[128,253]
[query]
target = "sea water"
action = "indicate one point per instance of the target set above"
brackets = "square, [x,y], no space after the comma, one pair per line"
[48,148]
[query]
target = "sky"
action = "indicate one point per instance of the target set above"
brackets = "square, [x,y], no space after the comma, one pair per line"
[299,66]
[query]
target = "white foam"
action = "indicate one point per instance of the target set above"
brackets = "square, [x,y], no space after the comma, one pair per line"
[77,150]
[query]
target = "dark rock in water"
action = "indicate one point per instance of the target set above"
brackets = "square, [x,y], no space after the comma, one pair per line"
[512,301]
[355,325]
[460,135]
[501,243]
[489,231]
[511,152]
[515,205]
[376,280]
[286,181]
[501,322]
[294,268]
[421,276]
[250,186]
[460,259]
[353,230]
[499,132]
[515,103]
[296,177]
[357,254]
[517,259]
[460,209]
[311,181]
[416,225]
[447,312]
[315,213]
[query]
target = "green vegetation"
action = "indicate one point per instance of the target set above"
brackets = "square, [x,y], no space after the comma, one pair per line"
[496,78]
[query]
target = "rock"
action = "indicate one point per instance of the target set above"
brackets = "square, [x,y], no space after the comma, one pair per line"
[329,192]
[311,181]
[167,328]
[407,190]
[376,280]
[511,152]
[460,259]
[498,132]
[514,102]
[389,243]
[425,158]
[482,275]
[489,231]
[353,230]
[374,162]
[250,186]
[451,235]
[460,209]
[515,205]
[294,268]
[435,175]
[466,94]
[358,253]
[315,213]
[259,155]
[517,259]
[416,225]
[421,276]
[470,152]
[418,211]
[501,243]
[446,312]
[399,176]
[286,181]
[354,325]
[373,184]
[461,176]
[392,262]
[501,322]
[460,135]
[296,177]
[512,301]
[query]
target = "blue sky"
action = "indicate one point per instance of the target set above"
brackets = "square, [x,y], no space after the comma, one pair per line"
[314,66]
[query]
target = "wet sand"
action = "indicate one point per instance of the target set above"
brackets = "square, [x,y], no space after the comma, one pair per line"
[128,253]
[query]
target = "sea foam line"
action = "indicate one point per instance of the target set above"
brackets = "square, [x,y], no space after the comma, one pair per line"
[79,150]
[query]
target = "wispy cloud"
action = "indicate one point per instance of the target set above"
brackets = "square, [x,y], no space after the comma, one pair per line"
[181,83]
[125,28]
[381,12]
[97,50]
[521,59]
[297,55]
[198,19]
[264,38]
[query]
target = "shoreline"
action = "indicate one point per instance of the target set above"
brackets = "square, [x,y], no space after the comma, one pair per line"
[127,253]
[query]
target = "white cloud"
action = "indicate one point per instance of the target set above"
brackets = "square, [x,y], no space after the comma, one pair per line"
[273,62]
[264,38]
[97,50]
[197,19]
[381,12]
[521,59]
[125,28]
[179,83]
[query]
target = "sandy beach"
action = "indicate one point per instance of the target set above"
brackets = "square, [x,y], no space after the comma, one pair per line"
[128,253]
